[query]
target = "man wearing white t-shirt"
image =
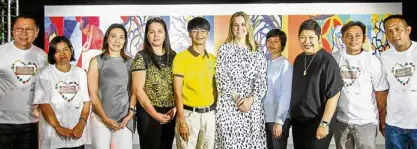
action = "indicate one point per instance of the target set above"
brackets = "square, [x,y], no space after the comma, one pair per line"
[364,82]
[400,65]
[19,61]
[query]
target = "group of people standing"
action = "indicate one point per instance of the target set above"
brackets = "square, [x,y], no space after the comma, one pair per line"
[349,94]
[237,100]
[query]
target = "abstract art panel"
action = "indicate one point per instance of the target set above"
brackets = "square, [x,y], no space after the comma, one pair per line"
[86,32]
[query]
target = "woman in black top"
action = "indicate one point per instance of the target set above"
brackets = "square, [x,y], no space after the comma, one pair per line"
[316,89]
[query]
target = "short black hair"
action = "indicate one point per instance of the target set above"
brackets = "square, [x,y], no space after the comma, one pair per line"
[350,24]
[396,16]
[52,48]
[25,16]
[278,33]
[312,25]
[198,23]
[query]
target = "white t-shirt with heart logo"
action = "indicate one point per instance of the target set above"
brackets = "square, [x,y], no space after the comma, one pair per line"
[66,92]
[17,69]
[402,97]
[362,74]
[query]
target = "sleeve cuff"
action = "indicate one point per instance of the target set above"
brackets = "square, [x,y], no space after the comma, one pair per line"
[381,88]
[40,102]
[178,75]
[86,99]
[280,122]
[138,70]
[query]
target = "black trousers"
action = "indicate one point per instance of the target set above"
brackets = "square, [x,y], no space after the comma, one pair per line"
[282,142]
[80,147]
[304,133]
[19,136]
[152,134]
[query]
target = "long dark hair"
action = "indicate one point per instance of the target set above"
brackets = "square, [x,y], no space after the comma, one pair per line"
[106,45]
[166,46]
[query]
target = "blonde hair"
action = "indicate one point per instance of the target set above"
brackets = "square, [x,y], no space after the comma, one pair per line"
[250,39]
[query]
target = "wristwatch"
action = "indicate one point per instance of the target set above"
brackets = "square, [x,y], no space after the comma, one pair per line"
[132,109]
[324,124]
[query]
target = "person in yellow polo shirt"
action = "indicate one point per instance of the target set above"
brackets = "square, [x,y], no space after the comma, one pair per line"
[195,91]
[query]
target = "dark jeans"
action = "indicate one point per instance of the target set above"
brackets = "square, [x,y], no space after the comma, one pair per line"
[282,142]
[80,147]
[152,134]
[19,136]
[304,133]
[398,138]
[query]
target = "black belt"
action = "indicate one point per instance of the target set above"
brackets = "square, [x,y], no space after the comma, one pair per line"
[200,110]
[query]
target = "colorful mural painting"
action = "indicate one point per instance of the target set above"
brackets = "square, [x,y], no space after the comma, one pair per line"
[86,32]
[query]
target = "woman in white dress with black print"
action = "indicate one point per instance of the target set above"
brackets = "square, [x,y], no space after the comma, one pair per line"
[241,81]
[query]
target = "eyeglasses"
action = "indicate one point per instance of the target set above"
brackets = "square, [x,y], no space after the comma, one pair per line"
[29,30]
[199,30]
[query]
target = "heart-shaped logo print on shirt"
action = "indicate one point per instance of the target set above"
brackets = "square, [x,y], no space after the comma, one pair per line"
[403,72]
[67,90]
[349,74]
[24,71]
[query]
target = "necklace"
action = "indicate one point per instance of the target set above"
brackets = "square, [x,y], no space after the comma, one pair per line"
[305,63]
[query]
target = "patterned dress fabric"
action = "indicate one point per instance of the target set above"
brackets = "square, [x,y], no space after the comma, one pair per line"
[240,73]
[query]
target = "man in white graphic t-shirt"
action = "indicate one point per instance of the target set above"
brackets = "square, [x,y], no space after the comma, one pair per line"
[364,85]
[400,65]
[19,62]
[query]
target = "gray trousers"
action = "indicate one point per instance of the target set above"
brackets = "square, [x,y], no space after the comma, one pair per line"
[352,136]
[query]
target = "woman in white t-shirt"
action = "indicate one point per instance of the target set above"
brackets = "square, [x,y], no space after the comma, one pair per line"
[62,95]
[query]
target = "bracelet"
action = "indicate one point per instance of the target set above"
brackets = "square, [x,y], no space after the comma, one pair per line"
[324,124]
[132,109]
[83,120]
[182,123]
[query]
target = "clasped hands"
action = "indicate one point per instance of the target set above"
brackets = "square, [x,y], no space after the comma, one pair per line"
[164,118]
[244,104]
[74,133]
[114,126]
